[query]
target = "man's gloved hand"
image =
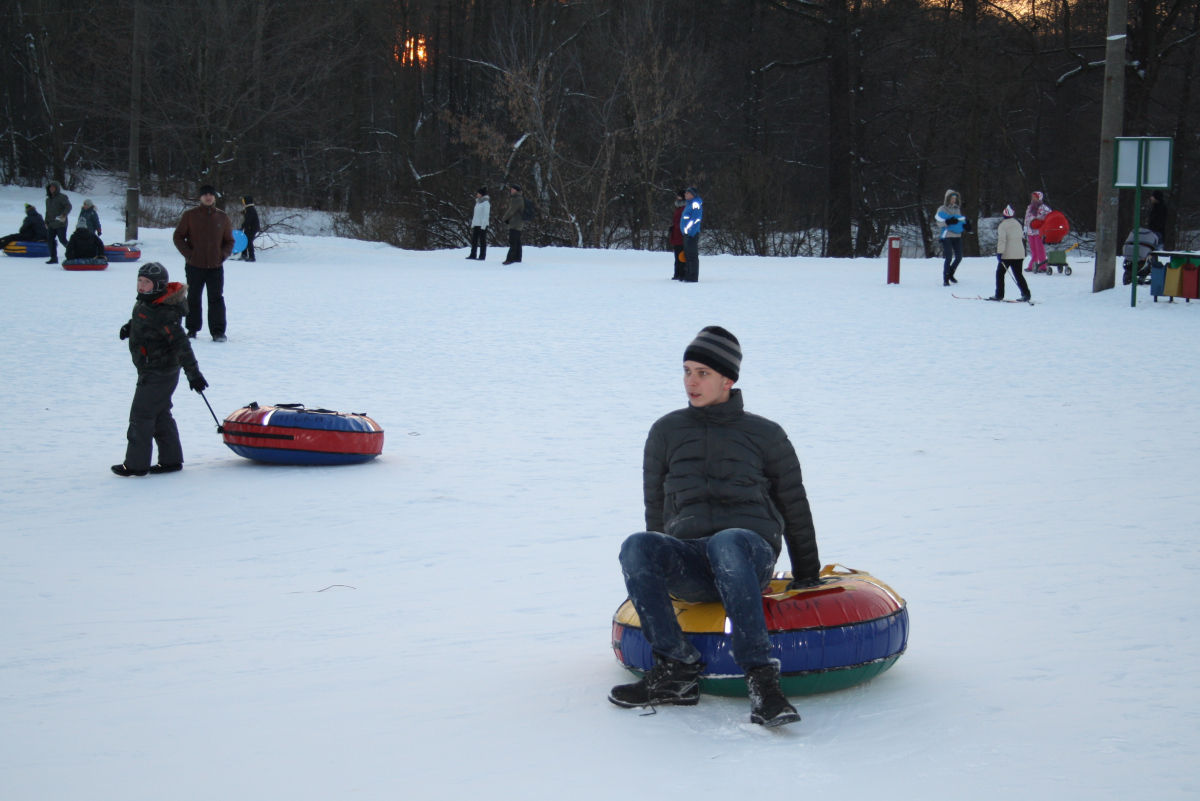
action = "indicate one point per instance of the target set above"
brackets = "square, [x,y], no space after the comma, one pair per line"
[999,260]
[196,382]
[804,583]
[125,331]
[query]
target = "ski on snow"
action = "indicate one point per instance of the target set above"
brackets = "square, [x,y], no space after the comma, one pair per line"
[981,297]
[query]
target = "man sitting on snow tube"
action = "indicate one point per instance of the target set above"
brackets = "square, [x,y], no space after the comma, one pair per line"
[723,493]
[84,244]
[33,229]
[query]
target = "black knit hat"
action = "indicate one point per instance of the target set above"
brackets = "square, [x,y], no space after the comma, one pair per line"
[207,189]
[517,187]
[157,275]
[717,348]
[483,191]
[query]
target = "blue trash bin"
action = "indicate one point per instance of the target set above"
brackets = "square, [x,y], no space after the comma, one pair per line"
[1158,277]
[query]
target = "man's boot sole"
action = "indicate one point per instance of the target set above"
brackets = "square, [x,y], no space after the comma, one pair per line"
[676,701]
[778,720]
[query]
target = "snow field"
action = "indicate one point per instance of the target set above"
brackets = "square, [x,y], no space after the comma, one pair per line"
[1024,476]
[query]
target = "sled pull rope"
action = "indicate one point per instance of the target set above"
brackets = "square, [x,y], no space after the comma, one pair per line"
[220,430]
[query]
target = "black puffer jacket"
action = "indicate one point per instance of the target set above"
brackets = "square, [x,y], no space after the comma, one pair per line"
[157,341]
[719,467]
[33,229]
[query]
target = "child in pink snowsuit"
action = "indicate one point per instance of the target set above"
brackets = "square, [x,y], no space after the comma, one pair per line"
[1037,248]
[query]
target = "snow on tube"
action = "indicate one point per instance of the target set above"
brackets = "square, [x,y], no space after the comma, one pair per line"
[1055,228]
[846,631]
[287,433]
[239,241]
[29,250]
[122,252]
[78,265]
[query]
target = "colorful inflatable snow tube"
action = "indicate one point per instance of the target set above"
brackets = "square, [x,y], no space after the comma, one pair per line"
[28,250]
[79,265]
[288,433]
[846,631]
[122,252]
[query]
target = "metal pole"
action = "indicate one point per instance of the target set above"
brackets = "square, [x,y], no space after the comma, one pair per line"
[1137,224]
[132,193]
[1111,123]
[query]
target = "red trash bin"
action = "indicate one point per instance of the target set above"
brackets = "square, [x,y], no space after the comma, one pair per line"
[893,260]
[1190,284]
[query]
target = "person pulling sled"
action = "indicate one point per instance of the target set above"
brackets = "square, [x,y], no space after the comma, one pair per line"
[159,347]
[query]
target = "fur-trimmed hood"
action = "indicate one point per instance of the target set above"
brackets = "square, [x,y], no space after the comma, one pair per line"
[176,293]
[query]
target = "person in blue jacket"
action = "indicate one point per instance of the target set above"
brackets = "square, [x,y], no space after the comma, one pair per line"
[33,229]
[689,225]
[950,222]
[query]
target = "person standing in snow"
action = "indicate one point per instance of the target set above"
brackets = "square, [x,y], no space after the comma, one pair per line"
[250,227]
[1010,254]
[1156,219]
[689,226]
[676,238]
[950,222]
[91,217]
[159,347]
[58,210]
[1037,211]
[479,225]
[515,217]
[723,492]
[33,229]
[204,237]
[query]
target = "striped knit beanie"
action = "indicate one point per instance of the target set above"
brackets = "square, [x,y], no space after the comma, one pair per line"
[717,348]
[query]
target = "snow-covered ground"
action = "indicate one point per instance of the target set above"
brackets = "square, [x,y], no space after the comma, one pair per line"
[435,624]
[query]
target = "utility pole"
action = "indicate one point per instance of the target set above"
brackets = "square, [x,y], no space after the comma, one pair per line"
[1111,126]
[132,193]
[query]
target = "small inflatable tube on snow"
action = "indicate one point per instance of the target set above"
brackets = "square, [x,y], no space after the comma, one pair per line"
[846,631]
[29,250]
[239,242]
[79,265]
[122,253]
[287,433]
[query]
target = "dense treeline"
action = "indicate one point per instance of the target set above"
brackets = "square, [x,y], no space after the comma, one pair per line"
[810,126]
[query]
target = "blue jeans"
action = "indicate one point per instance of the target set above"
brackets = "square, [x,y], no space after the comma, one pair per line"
[952,255]
[732,566]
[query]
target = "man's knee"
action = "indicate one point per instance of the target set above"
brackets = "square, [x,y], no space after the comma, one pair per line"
[639,549]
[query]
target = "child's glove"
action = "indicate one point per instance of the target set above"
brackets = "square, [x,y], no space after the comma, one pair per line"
[125,332]
[196,381]
[804,583]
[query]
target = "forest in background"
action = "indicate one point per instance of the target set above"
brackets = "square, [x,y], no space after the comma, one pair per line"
[810,127]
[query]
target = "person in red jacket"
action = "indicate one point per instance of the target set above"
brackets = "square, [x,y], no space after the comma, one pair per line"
[677,238]
[204,237]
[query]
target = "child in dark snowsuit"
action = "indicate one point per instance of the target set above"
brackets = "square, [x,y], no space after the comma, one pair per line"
[159,347]
[84,244]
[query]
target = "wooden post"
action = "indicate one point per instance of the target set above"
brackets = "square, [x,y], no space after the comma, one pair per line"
[1111,125]
[132,193]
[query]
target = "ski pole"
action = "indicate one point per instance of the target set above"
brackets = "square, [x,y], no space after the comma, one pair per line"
[220,430]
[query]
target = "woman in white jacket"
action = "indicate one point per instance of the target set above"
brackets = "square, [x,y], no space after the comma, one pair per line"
[479,225]
[1010,254]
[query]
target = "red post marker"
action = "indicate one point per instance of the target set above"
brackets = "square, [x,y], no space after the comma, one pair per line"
[893,259]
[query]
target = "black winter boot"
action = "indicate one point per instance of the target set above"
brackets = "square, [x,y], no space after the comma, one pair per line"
[768,705]
[668,682]
[122,470]
[156,469]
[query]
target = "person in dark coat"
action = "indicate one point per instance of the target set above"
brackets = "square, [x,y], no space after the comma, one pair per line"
[204,237]
[515,218]
[676,238]
[159,347]
[1156,220]
[250,227]
[33,229]
[83,244]
[92,218]
[723,493]
[58,210]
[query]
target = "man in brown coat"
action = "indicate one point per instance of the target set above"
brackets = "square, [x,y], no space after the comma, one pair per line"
[514,216]
[204,237]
